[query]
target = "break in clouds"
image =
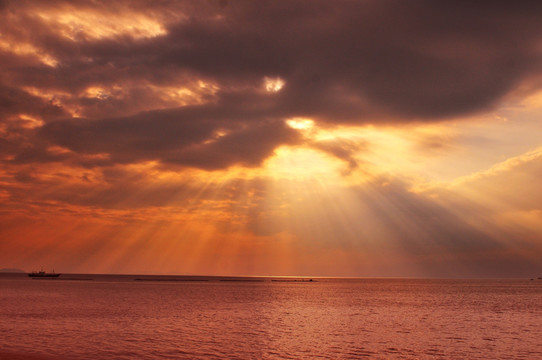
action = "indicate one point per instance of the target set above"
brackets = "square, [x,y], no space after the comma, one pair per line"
[210,85]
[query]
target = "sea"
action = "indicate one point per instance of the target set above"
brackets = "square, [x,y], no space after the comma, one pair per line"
[86,316]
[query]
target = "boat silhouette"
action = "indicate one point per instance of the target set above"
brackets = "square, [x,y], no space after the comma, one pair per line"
[43,274]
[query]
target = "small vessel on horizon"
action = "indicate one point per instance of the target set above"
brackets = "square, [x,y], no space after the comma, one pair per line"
[43,274]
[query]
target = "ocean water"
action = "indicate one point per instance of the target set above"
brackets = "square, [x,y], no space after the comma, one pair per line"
[119,317]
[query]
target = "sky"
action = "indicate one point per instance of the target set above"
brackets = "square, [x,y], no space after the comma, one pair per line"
[304,138]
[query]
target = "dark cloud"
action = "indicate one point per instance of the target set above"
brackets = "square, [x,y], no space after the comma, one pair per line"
[418,60]
[192,136]
[14,101]
[247,146]
[341,61]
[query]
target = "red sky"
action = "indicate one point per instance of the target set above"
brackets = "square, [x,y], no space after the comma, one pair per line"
[332,138]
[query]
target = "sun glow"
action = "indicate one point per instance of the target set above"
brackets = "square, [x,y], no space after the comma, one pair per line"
[302,163]
[273,84]
[300,123]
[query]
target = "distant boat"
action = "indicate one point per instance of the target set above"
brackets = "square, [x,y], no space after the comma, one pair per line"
[43,274]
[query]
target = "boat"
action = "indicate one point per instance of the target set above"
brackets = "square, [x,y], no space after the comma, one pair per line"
[43,274]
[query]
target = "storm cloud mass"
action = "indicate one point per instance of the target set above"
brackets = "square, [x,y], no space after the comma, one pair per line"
[161,79]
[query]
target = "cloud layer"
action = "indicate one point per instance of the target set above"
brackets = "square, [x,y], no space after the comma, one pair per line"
[210,117]
[160,80]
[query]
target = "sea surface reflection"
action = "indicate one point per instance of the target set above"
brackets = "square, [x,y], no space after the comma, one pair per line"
[145,317]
